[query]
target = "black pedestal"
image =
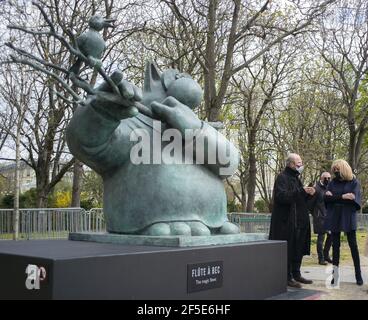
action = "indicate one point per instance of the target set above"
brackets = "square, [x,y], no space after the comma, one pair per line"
[83,270]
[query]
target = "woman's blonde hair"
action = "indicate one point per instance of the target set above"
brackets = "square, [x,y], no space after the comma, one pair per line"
[346,172]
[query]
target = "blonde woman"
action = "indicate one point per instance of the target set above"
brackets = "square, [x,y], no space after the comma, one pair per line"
[343,200]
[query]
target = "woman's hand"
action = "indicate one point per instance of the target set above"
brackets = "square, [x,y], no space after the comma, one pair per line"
[348,196]
[328,193]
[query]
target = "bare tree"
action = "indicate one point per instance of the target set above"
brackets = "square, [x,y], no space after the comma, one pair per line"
[257,88]
[343,44]
[7,119]
[230,37]
[15,91]
[46,114]
[221,42]
[53,39]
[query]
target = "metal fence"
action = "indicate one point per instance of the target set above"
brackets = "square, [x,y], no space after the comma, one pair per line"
[57,223]
[50,223]
[251,222]
[260,222]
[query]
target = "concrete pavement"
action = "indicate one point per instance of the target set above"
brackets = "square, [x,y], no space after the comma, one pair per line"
[321,289]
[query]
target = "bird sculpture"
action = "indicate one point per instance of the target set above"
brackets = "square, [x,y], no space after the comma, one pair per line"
[91,43]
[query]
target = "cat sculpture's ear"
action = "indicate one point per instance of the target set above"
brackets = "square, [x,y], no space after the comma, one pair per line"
[152,78]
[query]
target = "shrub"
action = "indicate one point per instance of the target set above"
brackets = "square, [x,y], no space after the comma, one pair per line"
[261,206]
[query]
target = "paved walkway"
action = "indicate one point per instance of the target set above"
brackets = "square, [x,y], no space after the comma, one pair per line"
[347,290]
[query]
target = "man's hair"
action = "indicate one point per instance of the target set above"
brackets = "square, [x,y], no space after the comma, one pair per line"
[323,172]
[290,159]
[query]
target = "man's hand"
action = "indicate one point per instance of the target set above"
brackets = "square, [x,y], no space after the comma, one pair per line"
[118,106]
[348,196]
[328,193]
[310,190]
[176,114]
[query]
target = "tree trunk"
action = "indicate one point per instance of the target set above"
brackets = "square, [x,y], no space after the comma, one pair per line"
[352,137]
[270,206]
[42,187]
[210,61]
[251,188]
[226,76]
[16,181]
[351,156]
[41,199]
[77,177]
[244,203]
[252,173]
[243,185]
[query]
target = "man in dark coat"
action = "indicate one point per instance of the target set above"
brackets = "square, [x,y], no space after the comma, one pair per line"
[290,217]
[319,213]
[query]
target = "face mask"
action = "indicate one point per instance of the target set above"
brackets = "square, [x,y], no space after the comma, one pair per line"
[337,175]
[300,169]
[326,181]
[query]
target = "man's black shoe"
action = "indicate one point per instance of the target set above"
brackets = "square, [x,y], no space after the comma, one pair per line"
[328,259]
[292,283]
[303,280]
[322,262]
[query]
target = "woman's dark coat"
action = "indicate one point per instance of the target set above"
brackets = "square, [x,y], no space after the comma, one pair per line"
[290,216]
[341,214]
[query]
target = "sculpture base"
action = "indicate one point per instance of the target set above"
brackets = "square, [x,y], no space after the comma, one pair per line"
[167,241]
[90,270]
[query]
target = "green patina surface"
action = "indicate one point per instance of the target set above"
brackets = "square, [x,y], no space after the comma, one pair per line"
[154,199]
[170,241]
